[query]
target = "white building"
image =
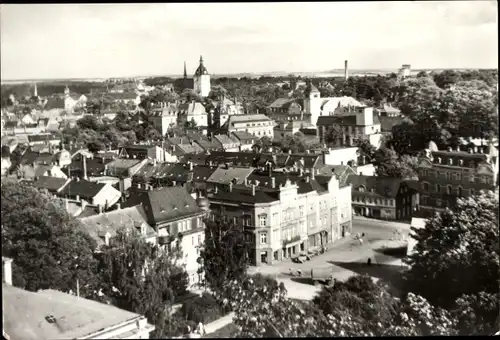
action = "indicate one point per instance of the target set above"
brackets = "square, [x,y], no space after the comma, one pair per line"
[258,125]
[404,71]
[315,106]
[201,81]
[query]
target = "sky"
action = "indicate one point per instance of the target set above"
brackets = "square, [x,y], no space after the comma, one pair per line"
[46,41]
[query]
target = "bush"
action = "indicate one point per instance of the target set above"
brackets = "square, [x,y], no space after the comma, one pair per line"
[203,309]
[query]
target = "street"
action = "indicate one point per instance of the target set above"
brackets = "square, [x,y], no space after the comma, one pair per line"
[346,257]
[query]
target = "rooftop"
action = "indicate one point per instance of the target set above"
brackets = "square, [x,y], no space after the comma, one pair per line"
[225,176]
[50,314]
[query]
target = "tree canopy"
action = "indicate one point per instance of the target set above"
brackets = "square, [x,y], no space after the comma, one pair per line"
[458,250]
[46,245]
[389,164]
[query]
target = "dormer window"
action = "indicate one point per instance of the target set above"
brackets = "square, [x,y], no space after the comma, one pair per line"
[361,188]
[450,161]
[461,162]
[438,160]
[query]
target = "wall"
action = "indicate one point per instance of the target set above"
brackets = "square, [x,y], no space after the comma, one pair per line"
[365,170]
[108,195]
[340,156]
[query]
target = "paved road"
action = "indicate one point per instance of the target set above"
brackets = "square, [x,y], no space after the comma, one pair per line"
[339,257]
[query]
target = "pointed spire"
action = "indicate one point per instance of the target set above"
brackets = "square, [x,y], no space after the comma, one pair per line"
[201,59]
[185,72]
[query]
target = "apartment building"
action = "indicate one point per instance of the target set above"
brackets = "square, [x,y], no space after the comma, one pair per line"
[258,125]
[448,174]
[178,219]
[285,214]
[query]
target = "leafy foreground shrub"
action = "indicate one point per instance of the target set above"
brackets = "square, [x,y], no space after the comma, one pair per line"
[204,309]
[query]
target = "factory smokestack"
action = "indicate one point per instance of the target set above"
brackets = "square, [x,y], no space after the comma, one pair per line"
[346,74]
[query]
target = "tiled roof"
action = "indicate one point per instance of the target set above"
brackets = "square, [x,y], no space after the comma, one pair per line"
[226,140]
[247,118]
[308,161]
[178,172]
[281,102]
[242,194]
[164,204]
[318,184]
[225,176]
[233,158]
[202,172]
[45,158]
[245,137]
[122,163]
[95,167]
[154,171]
[192,108]
[184,149]
[342,172]
[341,101]
[43,138]
[25,315]
[82,188]
[344,120]
[127,219]
[197,159]
[10,124]
[42,169]
[387,187]
[456,157]
[207,145]
[52,184]
[390,109]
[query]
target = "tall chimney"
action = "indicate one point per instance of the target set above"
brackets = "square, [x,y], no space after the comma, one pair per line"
[100,209]
[230,186]
[346,74]
[7,270]
[253,189]
[312,173]
[273,182]
[84,167]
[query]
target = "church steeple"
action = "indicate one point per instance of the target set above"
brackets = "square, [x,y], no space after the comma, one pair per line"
[185,72]
[201,60]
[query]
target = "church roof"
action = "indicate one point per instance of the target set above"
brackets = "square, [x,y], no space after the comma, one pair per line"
[310,89]
[201,69]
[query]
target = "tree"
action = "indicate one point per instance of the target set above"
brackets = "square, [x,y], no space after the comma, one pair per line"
[88,122]
[333,135]
[447,78]
[366,149]
[190,124]
[421,74]
[141,277]
[263,144]
[458,250]
[294,143]
[367,302]
[225,253]
[46,244]
[388,164]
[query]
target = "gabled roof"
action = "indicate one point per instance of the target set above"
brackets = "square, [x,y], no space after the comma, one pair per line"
[341,101]
[246,118]
[82,188]
[122,163]
[154,171]
[192,108]
[308,161]
[45,159]
[387,187]
[318,184]
[344,120]
[164,204]
[188,148]
[226,140]
[225,176]
[342,172]
[42,169]
[207,145]
[245,137]
[197,159]
[26,313]
[52,184]
[129,219]
[243,194]
[281,103]
[202,172]
[233,158]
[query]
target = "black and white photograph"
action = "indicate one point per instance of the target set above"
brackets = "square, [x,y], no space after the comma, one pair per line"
[249,169]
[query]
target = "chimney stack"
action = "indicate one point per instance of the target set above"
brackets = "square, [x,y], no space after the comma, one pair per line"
[216,190]
[230,186]
[118,206]
[84,159]
[307,178]
[346,75]
[7,270]
[312,173]
[100,209]
[273,182]
[78,198]
[253,189]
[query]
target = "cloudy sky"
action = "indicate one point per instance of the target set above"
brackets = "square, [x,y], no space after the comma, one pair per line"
[101,40]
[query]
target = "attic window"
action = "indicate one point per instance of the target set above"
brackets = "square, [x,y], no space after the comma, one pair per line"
[50,319]
[187,206]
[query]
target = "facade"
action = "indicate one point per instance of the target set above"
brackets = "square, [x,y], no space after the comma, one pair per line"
[124,167]
[178,219]
[258,125]
[143,151]
[247,140]
[201,80]
[103,195]
[315,106]
[51,314]
[404,71]
[285,109]
[384,198]
[284,216]
[362,125]
[192,111]
[446,175]
[164,117]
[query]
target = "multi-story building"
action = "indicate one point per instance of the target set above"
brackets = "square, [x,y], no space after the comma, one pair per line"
[164,117]
[385,198]
[448,174]
[285,215]
[362,124]
[285,109]
[201,80]
[224,108]
[178,219]
[192,112]
[315,106]
[258,125]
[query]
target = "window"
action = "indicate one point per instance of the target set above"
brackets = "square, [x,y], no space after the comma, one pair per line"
[263,238]
[483,179]
[438,202]
[437,174]
[262,220]
[450,161]
[471,178]
[361,189]
[448,189]
[460,193]
[426,186]
[438,188]
[472,192]
[199,239]
[301,210]
[448,176]
[403,200]
[439,159]
[192,240]
[461,162]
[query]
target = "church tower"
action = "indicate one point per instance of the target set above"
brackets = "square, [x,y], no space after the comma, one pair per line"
[312,102]
[202,80]
[66,91]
